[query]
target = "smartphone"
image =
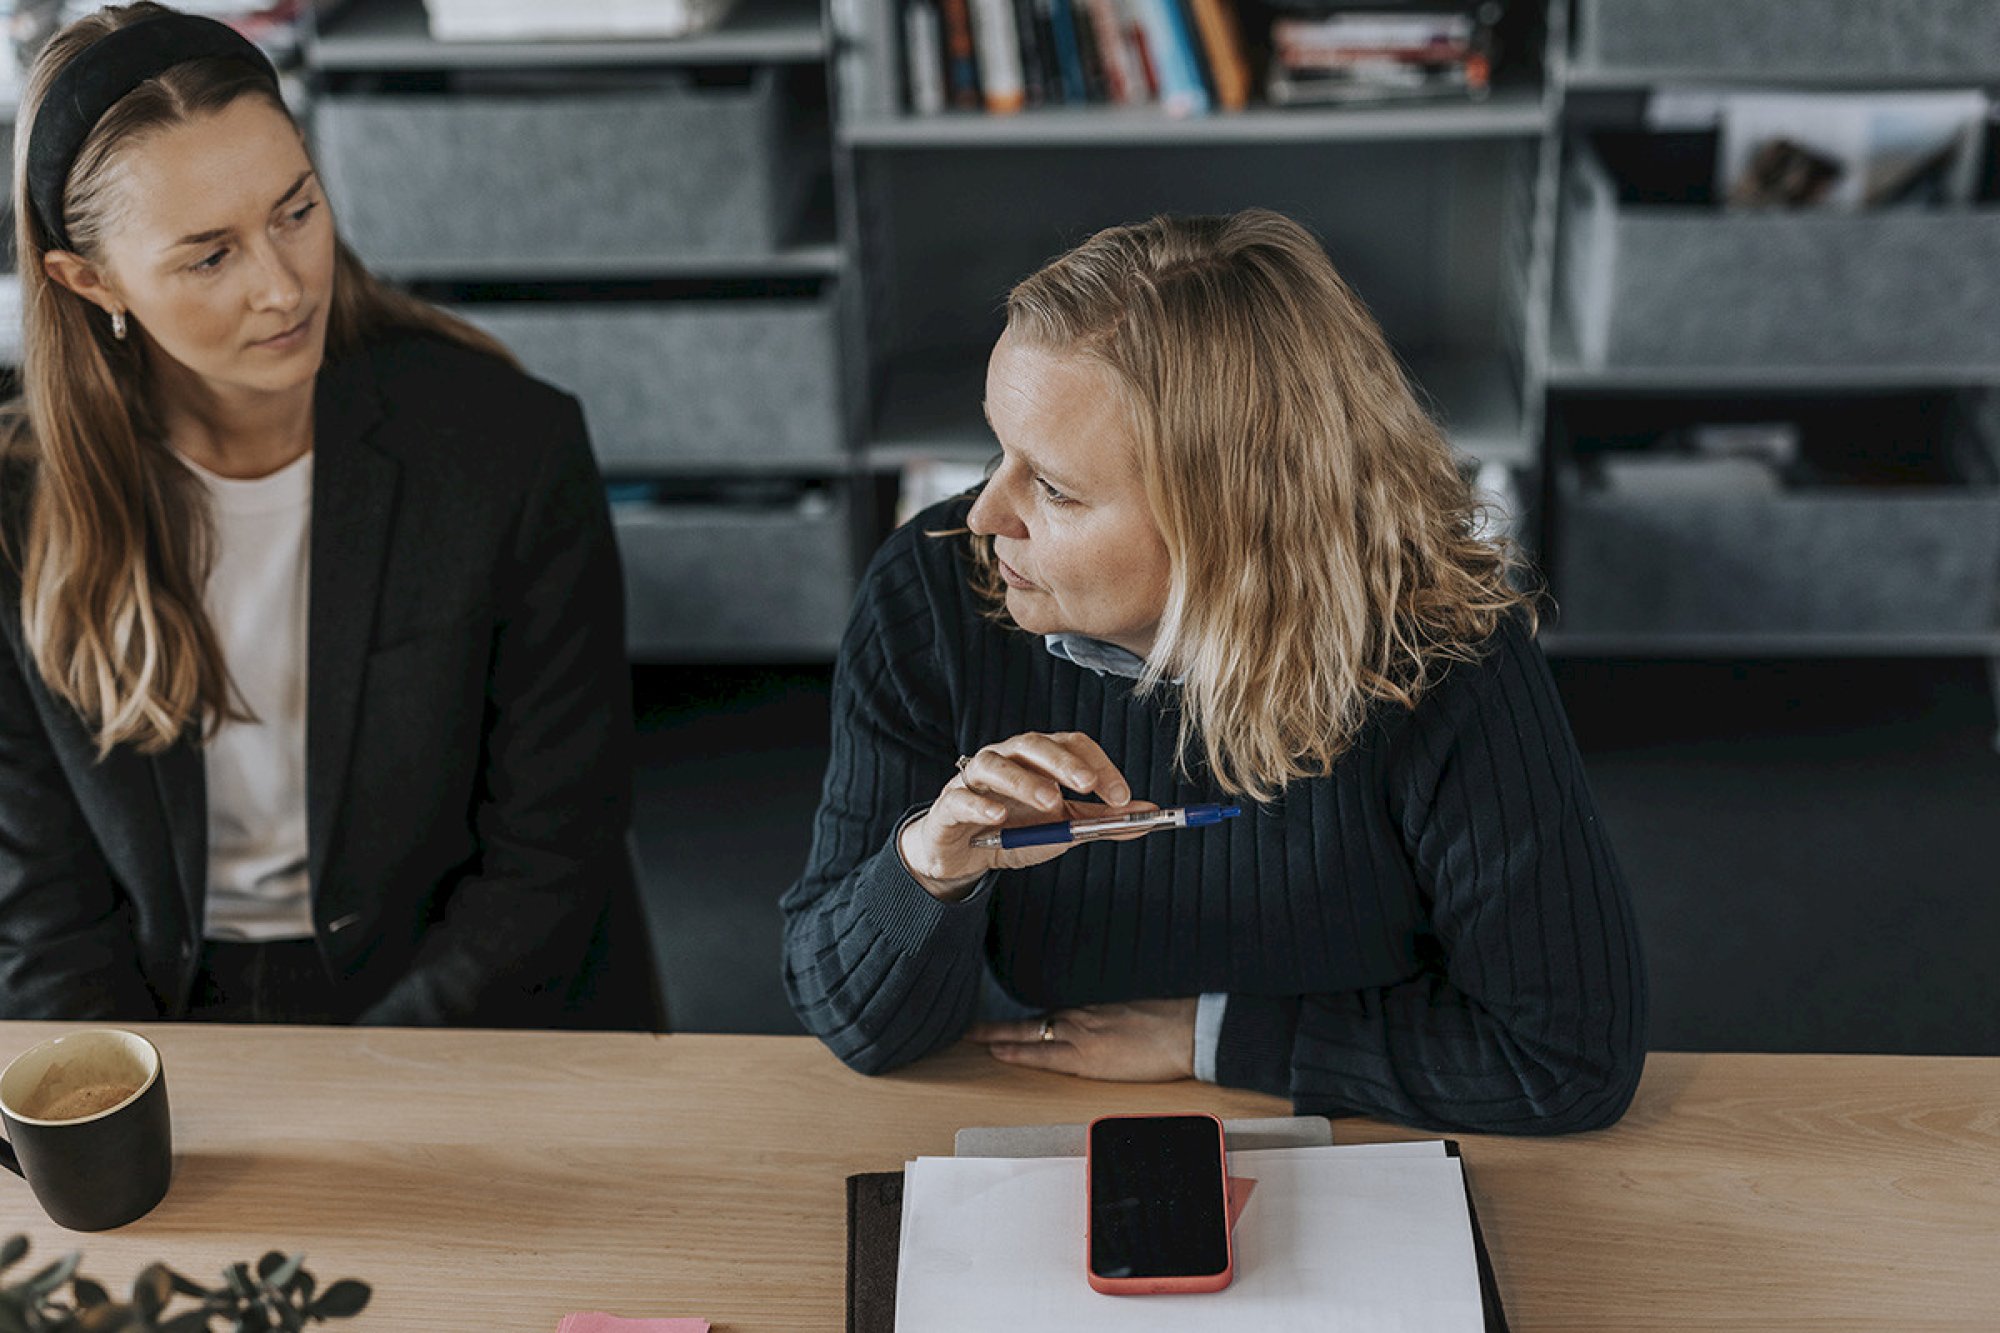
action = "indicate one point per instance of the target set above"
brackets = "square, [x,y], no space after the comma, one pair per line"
[1159,1205]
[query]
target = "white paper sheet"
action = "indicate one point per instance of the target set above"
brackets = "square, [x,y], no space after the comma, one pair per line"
[1373,1238]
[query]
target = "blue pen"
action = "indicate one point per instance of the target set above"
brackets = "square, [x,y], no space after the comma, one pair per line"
[1084,830]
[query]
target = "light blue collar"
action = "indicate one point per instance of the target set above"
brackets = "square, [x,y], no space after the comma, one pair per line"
[1106,659]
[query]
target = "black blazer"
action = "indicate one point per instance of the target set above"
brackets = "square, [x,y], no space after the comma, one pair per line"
[468,736]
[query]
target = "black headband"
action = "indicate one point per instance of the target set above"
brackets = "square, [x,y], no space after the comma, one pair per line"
[99,77]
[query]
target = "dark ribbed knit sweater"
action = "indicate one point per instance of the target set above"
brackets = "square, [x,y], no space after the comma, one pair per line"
[1435,933]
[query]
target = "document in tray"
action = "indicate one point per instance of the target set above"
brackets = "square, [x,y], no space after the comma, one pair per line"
[1334,1238]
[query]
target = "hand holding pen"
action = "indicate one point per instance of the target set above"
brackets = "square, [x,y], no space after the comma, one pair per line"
[1013,783]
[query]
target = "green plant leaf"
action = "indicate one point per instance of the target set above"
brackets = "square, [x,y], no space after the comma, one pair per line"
[11,1252]
[238,1278]
[52,1277]
[152,1289]
[194,1321]
[91,1293]
[11,1318]
[187,1286]
[343,1300]
[253,1320]
[110,1318]
[269,1264]
[281,1276]
[302,1287]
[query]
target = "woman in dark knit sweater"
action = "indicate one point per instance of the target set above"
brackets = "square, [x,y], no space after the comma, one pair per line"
[1225,555]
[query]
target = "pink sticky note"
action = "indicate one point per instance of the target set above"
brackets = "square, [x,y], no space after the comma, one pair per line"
[1239,1194]
[607,1323]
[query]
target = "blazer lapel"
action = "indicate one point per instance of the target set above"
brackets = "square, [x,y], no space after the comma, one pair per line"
[354,493]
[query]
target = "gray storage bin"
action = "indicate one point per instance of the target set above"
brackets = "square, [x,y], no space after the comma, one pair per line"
[1762,39]
[721,581]
[684,383]
[1663,285]
[1826,561]
[623,174]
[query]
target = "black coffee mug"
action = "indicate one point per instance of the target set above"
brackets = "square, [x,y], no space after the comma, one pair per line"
[87,1126]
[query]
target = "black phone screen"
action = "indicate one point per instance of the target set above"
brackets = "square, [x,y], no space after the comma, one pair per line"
[1158,1201]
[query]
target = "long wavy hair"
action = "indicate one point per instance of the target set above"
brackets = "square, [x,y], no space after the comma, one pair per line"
[1325,550]
[117,542]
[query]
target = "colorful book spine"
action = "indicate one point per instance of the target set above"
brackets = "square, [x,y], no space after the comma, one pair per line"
[1222,41]
[1034,63]
[1069,57]
[1135,31]
[1124,80]
[1171,49]
[998,47]
[1095,87]
[923,56]
[961,65]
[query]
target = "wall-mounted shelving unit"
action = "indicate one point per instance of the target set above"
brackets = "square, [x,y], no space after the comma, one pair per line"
[1458,222]
[1766,315]
[1430,209]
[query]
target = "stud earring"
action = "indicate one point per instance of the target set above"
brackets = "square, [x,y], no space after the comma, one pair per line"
[118,325]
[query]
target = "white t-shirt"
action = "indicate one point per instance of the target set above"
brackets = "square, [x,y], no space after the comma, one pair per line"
[256,599]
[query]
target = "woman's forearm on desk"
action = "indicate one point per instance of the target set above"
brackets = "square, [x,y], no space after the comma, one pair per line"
[876,966]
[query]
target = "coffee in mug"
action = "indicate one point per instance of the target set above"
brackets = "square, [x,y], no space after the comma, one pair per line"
[90,1099]
[87,1126]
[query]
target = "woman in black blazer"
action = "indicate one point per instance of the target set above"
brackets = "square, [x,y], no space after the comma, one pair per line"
[412,704]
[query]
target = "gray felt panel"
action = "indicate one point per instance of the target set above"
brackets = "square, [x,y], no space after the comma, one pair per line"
[1835,561]
[1679,286]
[687,382]
[626,174]
[713,581]
[1830,38]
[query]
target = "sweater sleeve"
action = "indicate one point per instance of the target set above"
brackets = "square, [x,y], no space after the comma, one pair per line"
[876,967]
[1529,1017]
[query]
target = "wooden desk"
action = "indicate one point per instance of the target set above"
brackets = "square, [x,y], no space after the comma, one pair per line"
[495,1181]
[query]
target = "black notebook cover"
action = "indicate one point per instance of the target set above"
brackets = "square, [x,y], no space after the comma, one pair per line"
[875,1233]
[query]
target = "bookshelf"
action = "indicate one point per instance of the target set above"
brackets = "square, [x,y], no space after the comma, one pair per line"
[1449,217]
[1515,115]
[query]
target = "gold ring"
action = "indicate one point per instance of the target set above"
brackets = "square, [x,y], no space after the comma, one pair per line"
[1048,1029]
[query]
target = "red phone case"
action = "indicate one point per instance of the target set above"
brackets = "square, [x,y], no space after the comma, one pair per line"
[1148,1286]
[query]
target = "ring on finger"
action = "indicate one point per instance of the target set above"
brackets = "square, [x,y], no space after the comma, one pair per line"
[962,763]
[1048,1032]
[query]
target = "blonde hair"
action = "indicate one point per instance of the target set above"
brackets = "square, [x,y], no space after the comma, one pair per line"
[1324,547]
[117,543]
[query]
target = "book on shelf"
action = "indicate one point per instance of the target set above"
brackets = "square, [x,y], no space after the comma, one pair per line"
[1034,35]
[1222,44]
[1191,57]
[1331,55]
[1111,34]
[923,56]
[961,66]
[1069,55]
[1096,88]
[1170,46]
[997,44]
